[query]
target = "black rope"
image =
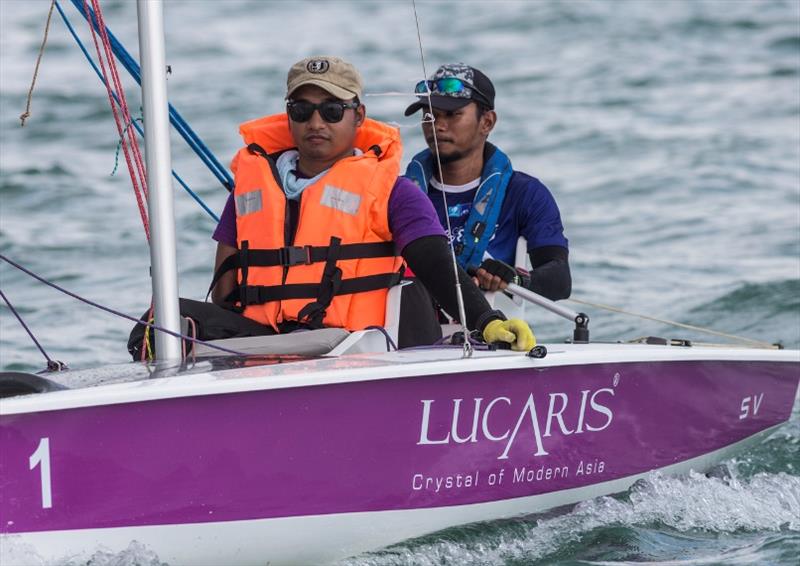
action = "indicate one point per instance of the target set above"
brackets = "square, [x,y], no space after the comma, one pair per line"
[52,365]
[118,313]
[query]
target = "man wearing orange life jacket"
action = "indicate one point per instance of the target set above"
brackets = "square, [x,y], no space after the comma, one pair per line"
[313,232]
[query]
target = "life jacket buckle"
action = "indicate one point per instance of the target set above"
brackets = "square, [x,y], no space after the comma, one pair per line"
[295,255]
[251,296]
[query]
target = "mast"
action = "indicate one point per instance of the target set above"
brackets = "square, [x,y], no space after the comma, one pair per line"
[159,179]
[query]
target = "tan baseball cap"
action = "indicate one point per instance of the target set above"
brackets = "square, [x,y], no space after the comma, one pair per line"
[332,74]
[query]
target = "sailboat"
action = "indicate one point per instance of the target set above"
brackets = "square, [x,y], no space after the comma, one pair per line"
[312,447]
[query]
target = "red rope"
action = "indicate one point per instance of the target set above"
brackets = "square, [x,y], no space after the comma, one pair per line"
[127,138]
[122,116]
[118,85]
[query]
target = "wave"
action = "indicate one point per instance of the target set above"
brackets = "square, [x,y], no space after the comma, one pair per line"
[768,311]
[660,518]
[788,43]
[14,552]
[779,295]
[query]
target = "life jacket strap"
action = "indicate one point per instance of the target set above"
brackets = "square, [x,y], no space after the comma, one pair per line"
[260,294]
[313,313]
[258,150]
[243,252]
[298,255]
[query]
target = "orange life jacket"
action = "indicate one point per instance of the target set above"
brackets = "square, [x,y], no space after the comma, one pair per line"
[337,270]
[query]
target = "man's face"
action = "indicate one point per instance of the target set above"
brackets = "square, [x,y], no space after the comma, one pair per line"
[322,141]
[459,133]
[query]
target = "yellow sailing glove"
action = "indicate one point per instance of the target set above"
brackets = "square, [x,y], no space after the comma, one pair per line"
[515,331]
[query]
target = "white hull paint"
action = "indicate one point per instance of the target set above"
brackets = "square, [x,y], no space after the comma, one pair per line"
[370,367]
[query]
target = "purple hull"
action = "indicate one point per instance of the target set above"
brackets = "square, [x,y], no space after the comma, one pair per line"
[377,445]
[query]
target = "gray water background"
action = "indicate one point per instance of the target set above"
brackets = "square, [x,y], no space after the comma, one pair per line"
[668,131]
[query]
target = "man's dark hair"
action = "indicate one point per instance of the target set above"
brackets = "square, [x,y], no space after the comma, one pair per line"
[481,109]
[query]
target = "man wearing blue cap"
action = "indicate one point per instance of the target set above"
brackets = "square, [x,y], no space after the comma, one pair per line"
[489,205]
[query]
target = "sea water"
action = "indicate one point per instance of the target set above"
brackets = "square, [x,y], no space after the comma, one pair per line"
[668,131]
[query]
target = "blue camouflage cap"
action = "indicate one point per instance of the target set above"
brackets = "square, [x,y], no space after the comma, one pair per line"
[471,85]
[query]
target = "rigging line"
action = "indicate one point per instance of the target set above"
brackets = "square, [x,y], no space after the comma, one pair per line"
[195,196]
[116,312]
[135,125]
[181,126]
[119,144]
[147,353]
[24,116]
[459,295]
[397,93]
[103,30]
[50,362]
[758,343]
[136,173]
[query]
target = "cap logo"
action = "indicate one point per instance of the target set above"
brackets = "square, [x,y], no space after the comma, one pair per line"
[317,66]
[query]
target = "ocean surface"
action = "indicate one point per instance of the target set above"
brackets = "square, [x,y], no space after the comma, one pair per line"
[668,131]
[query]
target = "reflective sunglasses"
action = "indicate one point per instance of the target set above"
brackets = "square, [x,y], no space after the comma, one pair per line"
[331,111]
[447,85]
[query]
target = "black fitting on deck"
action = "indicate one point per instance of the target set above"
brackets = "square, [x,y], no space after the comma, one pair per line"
[538,352]
[581,332]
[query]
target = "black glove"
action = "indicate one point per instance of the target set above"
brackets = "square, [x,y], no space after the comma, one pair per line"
[502,270]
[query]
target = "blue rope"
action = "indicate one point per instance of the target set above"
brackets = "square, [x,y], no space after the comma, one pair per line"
[191,138]
[195,197]
[135,125]
[174,174]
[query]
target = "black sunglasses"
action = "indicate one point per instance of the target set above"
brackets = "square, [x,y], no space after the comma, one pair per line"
[331,111]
